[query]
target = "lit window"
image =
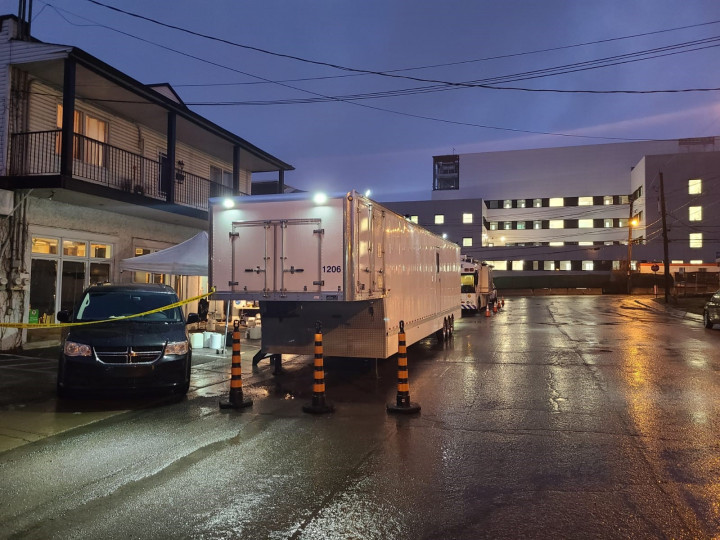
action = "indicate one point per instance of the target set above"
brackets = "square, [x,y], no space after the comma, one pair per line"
[565,265]
[677,261]
[74,249]
[521,203]
[585,243]
[585,223]
[557,224]
[100,251]
[608,223]
[520,224]
[439,219]
[557,243]
[548,265]
[507,203]
[467,241]
[624,199]
[467,218]
[537,224]
[493,225]
[507,225]
[48,246]
[695,186]
[557,201]
[588,265]
[585,201]
[537,203]
[616,265]
[695,213]
[498,265]
[608,199]
[696,240]
[622,222]
[518,265]
[414,219]
[697,262]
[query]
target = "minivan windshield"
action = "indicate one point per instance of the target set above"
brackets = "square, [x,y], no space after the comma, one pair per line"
[103,305]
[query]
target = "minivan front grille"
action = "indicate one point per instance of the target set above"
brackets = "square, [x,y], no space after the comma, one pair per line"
[128,355]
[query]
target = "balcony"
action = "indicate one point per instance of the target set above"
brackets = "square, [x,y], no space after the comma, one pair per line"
[37,154]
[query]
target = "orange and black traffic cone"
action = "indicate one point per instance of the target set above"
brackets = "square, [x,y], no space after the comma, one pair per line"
[403,404]
[236,400]
[318,405]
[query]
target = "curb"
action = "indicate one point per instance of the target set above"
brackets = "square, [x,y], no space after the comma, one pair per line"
[674,312]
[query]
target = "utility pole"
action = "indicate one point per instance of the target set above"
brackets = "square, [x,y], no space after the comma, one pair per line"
[666,258]
[629,244]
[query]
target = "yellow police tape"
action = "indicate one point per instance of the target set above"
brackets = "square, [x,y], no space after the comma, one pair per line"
[62,325]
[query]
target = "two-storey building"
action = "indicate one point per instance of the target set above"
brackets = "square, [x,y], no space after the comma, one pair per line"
[96,167]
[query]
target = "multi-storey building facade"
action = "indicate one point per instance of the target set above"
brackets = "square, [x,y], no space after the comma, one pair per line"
[579,211]
[96,167]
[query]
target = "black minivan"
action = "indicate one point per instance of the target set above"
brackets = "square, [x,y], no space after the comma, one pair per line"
[151,351]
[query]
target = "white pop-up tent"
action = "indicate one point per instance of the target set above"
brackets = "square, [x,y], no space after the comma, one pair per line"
[189,258]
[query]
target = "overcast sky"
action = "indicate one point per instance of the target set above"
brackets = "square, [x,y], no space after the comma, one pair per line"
[301,109]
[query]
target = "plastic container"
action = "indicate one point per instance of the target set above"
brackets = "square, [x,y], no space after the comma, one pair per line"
[255,332]
[197,340]
[216,341]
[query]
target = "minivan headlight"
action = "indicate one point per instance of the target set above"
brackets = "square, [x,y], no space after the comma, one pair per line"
[73,348]
[177,347]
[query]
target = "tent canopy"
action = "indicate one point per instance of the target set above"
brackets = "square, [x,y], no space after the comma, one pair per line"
[189,258]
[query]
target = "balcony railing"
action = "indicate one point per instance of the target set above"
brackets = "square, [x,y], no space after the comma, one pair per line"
[38,154]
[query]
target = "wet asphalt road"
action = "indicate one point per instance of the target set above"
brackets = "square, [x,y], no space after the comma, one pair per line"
[570,417]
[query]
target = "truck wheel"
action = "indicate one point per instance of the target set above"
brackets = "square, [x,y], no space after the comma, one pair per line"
[706,320]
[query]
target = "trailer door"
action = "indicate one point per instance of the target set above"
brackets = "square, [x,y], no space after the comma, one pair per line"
[365,266]
[299,265]
[252,260]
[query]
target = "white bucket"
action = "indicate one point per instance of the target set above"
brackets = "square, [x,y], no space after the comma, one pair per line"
[196,340]
[255,332]
[206,339]
[216,341]
[251,322]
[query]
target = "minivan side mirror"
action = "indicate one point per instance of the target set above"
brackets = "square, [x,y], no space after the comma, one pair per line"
[63,316]
[192,318]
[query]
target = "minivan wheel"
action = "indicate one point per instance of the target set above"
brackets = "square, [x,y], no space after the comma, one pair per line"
[706,320]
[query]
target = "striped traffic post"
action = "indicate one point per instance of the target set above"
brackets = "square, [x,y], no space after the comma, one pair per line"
[318,405]
[403,404]
[236,399]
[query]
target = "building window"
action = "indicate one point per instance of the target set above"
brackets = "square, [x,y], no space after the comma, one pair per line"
[467,241]
[537,203]
[623,222]
[521,203]
[47,246]
[588,265]
[695,186]
[697,261]
[585,201]
[608,223]
[557,201]
[585,223]
[537,224]
[446,172]
[90,149]
[695,213]
[520,224]
[557,224]
[556,244]
[548,265]
[624,199]
[607,199]
[507,203]
[518,265]
[414,219]
[439,219]
[220,177]
[507,225]
[467,218]
[696,240]
[565,265]
[493,225]
[585,244]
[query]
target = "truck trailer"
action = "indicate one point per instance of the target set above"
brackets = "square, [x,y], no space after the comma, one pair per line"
[345,262]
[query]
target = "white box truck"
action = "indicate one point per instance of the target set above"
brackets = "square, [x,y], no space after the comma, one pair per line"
[346,262]
[477,290]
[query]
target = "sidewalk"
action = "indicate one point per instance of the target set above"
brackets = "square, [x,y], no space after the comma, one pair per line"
[675,311]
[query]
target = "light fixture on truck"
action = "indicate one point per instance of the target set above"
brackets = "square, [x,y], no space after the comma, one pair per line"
[320,198]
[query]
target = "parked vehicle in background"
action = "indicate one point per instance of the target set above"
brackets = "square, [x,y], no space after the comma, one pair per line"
[477,289]
[151,351]
[711,311]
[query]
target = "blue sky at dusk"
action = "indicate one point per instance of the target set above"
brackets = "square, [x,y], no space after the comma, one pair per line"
[361,95]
